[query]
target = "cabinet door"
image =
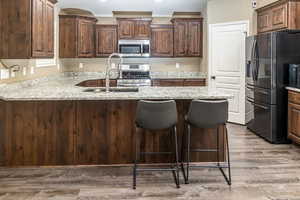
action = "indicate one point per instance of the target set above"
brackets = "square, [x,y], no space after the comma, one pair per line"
[126,29]
[162,41]
[195,39]
[279,17]
[142,30]
[264,21]
[106,40]
[168,82]
[294,122]
[180,39]
[86,45]
[38,28]
[194,82]
[49,28]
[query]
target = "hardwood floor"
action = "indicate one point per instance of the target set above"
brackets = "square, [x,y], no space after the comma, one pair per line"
[261,171]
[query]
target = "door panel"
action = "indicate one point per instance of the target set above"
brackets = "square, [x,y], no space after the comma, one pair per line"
[195,39]
[142,30]
[38,28]
[85,38]
[126,29]
[180,39]
[227,65]
[264,21]
[280,17]
[49,27]
[162,41]
[106,39]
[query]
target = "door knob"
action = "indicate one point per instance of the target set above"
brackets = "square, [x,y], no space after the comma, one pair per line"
[213,77]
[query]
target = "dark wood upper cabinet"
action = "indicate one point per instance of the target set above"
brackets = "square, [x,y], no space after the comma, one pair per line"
[281,15]
[106,40]
[76,36]
[162,41]
[27,29]
[188,37]
[130,28]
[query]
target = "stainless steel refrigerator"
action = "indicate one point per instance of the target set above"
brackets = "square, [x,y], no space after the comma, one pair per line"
[267,61]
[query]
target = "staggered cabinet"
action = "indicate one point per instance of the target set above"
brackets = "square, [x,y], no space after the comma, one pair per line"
[281,15]
[162,41]
[27,29]
[294,116]
[188,37]
[77,36]
[130,28]
[106,40]
[81,37]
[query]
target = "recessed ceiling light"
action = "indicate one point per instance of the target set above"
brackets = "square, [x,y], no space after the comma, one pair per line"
[103,0]
[158,1]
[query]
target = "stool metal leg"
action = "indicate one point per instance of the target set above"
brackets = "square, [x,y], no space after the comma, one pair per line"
[176,155]
[136,159]
[188,155]
[183,153]
[227,178]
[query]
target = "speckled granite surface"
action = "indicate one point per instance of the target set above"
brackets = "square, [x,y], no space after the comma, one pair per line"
[63,88]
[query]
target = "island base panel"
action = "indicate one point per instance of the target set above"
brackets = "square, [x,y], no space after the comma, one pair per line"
[43,133]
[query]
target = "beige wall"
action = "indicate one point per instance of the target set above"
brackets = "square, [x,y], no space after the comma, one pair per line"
[27,64]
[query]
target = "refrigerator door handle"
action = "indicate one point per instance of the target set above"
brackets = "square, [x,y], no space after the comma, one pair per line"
[253,55]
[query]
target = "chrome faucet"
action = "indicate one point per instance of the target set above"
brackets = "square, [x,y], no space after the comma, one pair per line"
[108,69]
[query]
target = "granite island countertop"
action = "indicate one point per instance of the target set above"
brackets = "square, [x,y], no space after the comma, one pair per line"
[63,88]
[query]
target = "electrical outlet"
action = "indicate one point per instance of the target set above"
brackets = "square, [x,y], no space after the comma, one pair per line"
[254,3]
[177,65]
[80,65]
[24,71]
[4,74]
[58,66]
[32,70]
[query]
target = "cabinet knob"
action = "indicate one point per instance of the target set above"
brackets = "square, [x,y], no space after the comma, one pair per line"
[213,77]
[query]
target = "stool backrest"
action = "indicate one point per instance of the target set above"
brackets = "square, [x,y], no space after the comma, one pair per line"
[156,115]
[208,113]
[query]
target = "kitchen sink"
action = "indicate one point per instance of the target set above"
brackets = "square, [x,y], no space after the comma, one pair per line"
[112,89]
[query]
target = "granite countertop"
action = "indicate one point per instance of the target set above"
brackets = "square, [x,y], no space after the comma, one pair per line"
[293,89]
[64,88]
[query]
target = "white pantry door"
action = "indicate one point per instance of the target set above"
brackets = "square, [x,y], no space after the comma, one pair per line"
[227,64]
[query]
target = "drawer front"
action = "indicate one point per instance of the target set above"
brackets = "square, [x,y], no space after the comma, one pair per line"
[294,120]
[294,97]
[280,17]
[194,82]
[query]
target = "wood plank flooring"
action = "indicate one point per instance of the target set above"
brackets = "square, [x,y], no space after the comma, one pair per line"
[261,171]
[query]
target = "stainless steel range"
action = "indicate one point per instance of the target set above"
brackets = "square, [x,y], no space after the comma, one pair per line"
[134,75]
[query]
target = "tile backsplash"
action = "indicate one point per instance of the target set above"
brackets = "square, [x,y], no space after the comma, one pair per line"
[157,64]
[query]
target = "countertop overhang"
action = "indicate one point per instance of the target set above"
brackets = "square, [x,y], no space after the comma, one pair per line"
[64,89]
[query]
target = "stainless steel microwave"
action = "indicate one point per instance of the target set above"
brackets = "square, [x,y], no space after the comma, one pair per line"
[134,48]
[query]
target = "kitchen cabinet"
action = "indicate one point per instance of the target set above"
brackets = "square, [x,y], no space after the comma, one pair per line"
[27,29]
[178,82]
[188,37]
[106,40]
[162,41]
[76,36]
[284,14]
[294,116]
[131,28]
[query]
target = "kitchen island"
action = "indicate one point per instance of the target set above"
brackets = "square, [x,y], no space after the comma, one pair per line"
[54,122]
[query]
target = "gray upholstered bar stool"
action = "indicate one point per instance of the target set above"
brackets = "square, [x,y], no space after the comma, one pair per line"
[154,116]
[206,114]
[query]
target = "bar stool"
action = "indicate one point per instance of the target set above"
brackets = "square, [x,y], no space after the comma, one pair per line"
[154,116]
[206,114]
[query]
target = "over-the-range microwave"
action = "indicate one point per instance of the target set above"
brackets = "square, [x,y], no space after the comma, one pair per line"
[134,48]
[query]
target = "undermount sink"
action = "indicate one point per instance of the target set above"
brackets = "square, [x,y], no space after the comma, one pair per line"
[112,89]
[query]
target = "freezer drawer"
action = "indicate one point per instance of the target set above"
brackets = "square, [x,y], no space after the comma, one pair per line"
[260,94]
[263,120]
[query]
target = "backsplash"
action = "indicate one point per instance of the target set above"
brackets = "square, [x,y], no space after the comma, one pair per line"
[157,64]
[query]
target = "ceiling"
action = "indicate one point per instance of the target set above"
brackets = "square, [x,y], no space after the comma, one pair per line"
[158,7]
